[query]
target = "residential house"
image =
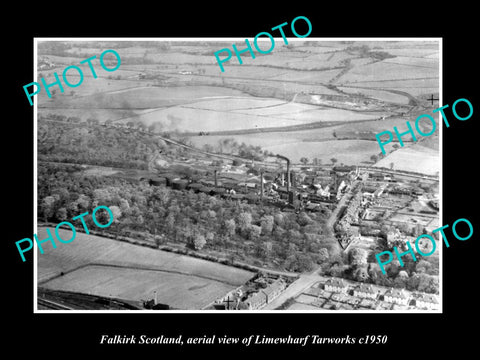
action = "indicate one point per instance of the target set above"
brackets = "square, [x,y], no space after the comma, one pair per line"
[265,296]
[336,285]
[365,291]
[426,301]
[396,296]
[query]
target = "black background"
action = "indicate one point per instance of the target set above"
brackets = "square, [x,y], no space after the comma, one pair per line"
[55,336]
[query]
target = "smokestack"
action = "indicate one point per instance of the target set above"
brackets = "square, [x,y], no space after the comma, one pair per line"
[215,176]
[288,176]
[261,185]
[154,298]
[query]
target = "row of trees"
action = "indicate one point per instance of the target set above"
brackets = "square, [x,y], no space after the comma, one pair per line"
[83,143]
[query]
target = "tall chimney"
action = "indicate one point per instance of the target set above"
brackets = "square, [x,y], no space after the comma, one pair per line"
[215,176]
[261,185]
[154,298]
[288,176]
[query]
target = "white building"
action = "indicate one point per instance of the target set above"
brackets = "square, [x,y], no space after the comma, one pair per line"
[396,296]
[336,285]
[365,291]
[427,301]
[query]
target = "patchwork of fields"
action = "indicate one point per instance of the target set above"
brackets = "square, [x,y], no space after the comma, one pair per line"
[105,267]
[179,291]
[178,87]
[183,91]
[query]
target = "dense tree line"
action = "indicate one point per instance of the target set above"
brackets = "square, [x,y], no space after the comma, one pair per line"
[86,143]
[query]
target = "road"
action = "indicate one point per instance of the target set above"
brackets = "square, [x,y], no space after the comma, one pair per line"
[297,287]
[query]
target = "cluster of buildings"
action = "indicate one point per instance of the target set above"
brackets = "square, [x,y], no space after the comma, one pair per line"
[302,189]
[253,295]
[340,294]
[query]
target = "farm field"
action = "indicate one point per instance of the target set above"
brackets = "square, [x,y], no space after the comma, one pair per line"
[189,119]
[413,158]
[177,290]
[90,249]
[382,95]
[89,87]
[307,112]
[414,86]
[388,71]
[310,77]
[196,117]
[318,143]
[414,61]
[349,152]
[147,97]
[242,104]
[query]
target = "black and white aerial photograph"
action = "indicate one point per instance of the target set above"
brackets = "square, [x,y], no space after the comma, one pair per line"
[260,188]
[213,179]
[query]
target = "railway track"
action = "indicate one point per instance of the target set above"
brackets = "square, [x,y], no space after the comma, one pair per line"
[52,304]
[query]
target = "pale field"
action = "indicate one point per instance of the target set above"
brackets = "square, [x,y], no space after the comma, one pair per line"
[188,292]
[89,87]
[252,71]
[146,97]
[284,108]
[379,125]
[310,77]
[387,71]
[182,58]
[306,61]
[435,55]
[103,45]
[91,249]
[377,94]
[349,152]
[413,158]
[361,61]
[414,87]
[257,139]
[283,84]
[324,48]
[192,119]
[415,52]
[204,115]
[298,138]
[236,103]
[414,61]
[307,88]
[329,114]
